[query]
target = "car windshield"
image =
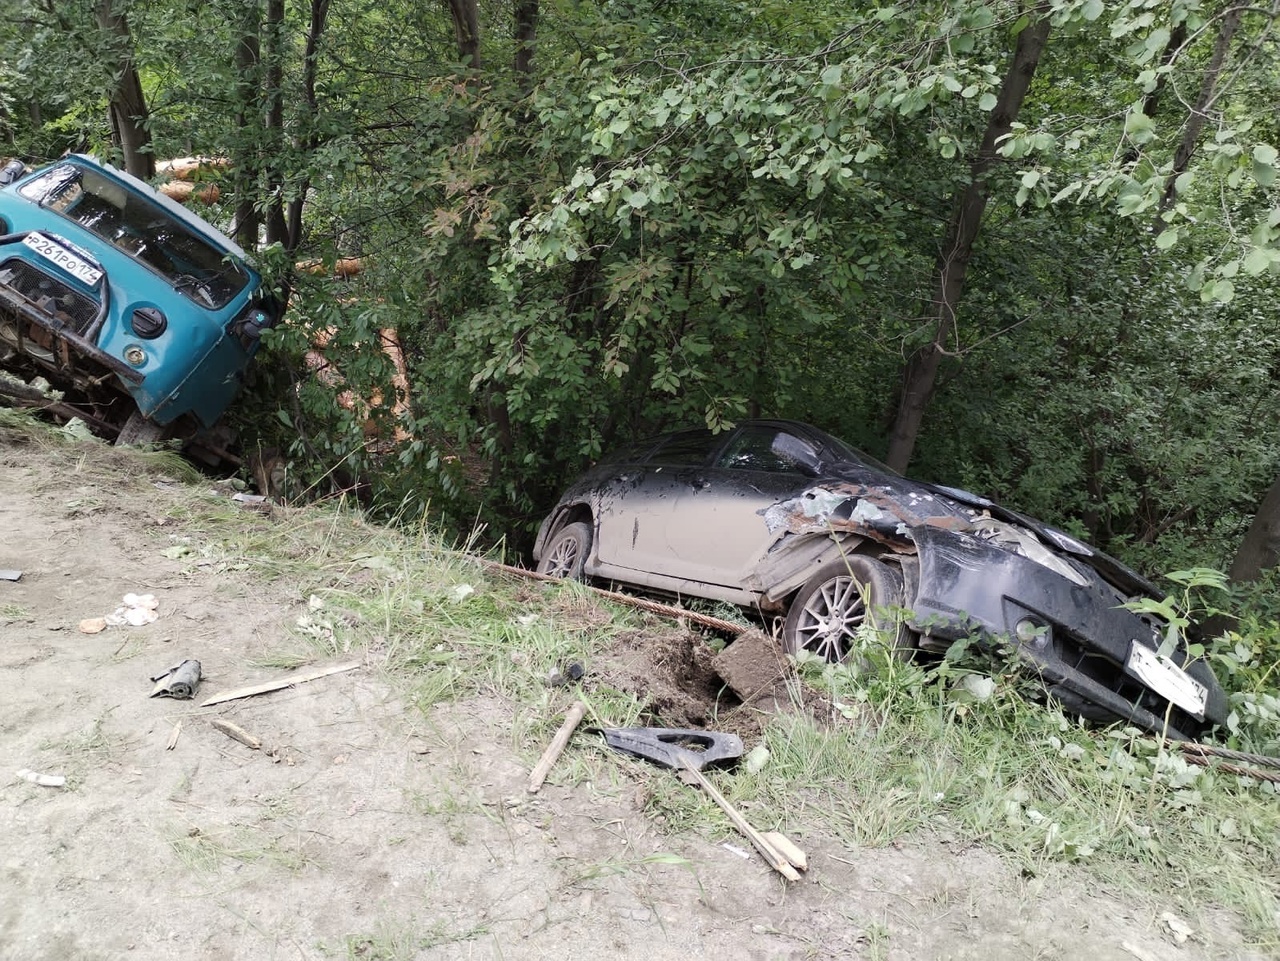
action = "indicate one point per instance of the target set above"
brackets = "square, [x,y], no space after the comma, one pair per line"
[842,451]
[146,232]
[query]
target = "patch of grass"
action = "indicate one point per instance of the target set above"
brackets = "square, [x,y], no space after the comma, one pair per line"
[901,753]
[284,659]
[405,941]
[13,613]
[1026,781]
[623,866]
[132,646]
[206,851]
[92,747]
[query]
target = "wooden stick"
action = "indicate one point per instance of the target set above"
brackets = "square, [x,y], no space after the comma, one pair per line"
[173,736]
[282,683]
[767,851]
[557,745]
[235,731]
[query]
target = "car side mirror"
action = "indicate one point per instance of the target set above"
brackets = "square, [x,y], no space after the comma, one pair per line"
[800,454]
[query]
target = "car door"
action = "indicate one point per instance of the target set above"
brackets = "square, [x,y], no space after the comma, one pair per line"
[716,531]
[637,515]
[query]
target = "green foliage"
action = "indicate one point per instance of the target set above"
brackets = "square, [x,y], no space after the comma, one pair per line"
[696,213]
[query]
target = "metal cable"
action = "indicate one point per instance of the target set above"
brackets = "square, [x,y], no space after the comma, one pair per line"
[654,607]
[1210,750]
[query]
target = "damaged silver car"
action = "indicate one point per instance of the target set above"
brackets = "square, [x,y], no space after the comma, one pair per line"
[783,518]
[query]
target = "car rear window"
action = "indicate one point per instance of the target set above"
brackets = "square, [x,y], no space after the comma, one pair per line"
[630,454]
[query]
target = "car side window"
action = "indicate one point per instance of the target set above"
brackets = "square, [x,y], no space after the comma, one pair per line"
[758,448]
[689,448]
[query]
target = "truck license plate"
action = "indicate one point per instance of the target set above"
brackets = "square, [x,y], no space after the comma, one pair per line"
[54,252]
[1167,679]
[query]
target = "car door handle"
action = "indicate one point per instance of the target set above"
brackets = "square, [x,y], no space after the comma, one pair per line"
[699,483]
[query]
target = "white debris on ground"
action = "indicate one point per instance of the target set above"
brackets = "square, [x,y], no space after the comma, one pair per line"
[135,610]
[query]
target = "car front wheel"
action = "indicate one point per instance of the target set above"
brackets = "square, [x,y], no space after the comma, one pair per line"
[566,552]
[840,598]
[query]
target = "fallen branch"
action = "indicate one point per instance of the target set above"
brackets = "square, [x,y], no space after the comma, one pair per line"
[788,849]
[775,859]
[25,396]
[283,682]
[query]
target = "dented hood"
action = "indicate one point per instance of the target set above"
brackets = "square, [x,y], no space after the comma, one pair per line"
[886,508]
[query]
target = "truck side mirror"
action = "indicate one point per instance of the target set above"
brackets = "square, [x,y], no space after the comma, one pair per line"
[11,172]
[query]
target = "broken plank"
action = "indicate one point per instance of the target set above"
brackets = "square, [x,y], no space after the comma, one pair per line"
[269,686]
[772,856]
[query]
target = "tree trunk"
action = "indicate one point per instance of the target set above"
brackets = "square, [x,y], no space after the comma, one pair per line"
[309,140]
[466,28]
[126,104]
[526,27]
[1260,549]
[1204,103]
[921,374]
[277,228]
[245,152]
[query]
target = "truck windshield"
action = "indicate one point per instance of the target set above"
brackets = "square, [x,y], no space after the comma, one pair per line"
[145,231]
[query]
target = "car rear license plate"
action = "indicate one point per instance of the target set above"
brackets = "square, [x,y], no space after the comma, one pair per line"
[54,252]
[1167,679]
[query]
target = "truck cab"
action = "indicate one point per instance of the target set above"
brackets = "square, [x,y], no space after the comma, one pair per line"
[143,315]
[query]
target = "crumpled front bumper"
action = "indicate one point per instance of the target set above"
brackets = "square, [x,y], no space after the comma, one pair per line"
[968,586]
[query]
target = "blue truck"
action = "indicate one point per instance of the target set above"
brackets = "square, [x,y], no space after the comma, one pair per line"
[143,316]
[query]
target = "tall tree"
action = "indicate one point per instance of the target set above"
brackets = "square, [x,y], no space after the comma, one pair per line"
[466,28]
[245,150]
[921,374]
[126,102]
[526,29]
[1260,548]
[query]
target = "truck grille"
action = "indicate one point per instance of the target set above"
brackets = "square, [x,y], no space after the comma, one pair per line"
[49,294]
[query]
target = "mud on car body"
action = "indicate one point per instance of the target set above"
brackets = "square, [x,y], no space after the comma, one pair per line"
[142,313]
[781,517]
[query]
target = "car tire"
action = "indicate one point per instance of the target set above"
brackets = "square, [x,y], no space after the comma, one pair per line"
[566,552]
[837,600]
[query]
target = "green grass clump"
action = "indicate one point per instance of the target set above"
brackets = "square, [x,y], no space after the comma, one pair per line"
[909,750]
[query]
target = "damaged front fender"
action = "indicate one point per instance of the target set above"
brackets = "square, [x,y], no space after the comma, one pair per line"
[968,573]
